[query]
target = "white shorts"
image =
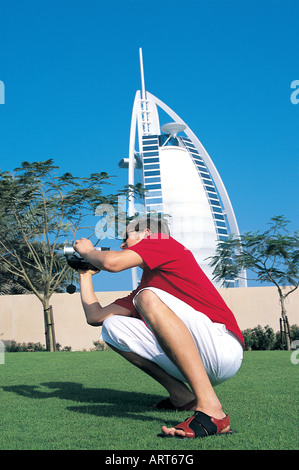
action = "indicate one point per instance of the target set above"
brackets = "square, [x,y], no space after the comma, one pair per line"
[220,350]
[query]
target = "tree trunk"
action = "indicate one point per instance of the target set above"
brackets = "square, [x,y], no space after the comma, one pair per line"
[49,327]
[285,325]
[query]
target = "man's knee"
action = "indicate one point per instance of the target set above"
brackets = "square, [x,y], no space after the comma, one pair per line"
[145,300]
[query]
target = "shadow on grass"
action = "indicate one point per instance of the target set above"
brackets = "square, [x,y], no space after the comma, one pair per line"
[105,402]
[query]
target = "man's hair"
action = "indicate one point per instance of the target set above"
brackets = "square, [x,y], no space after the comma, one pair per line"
[154,225]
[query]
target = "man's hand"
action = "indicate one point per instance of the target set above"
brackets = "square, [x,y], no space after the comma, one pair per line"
[83,246]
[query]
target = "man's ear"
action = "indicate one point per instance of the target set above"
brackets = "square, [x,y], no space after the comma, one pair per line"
[147,232]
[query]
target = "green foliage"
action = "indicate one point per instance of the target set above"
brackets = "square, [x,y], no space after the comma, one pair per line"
[264,339]
[100,346]
[13,346]
[259,338]
[272,255]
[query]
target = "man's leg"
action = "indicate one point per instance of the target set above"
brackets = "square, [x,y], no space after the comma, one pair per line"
[179,393]
[177,343]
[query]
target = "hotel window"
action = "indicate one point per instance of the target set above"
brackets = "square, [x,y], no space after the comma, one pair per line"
[219,223]
[151,166]
[189,145]
[215,203]
[207,181]
[152,180]
[213,196]
[153,193]
[211,188]
[151,154]
[153,186]
[157,200]
[198,161]
[201,166]
[205,175]
[149,137]
[222,231]
[152,173]
[216,209]
[219,217]
[150,160]
[150,147]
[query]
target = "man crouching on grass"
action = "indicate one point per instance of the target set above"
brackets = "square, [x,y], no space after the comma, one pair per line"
[175,326]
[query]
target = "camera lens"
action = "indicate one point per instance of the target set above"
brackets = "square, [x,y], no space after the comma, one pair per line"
[71,289]
[68,250]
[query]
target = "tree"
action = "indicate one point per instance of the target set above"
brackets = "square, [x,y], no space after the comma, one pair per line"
[40,212]
[272,255]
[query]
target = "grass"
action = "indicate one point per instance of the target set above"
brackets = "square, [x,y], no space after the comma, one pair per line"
[96,400]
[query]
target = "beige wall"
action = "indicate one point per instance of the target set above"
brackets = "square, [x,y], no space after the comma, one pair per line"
[21,316]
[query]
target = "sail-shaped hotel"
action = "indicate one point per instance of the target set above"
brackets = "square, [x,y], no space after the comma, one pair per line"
[180,178]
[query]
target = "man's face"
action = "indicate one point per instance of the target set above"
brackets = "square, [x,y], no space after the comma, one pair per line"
[133,237]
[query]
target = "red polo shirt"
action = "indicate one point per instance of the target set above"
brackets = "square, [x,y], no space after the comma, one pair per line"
[172,267]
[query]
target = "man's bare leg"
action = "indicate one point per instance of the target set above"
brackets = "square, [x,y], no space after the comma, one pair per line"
[179,393]
[177,342]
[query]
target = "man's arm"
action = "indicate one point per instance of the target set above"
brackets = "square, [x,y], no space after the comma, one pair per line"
[112,261]
[94,312]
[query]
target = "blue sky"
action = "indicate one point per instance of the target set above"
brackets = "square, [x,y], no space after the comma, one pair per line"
[71,70]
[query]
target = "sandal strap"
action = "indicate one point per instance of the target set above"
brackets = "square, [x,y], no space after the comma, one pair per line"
[201,425]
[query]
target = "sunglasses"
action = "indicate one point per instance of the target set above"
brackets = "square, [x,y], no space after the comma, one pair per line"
[128,234]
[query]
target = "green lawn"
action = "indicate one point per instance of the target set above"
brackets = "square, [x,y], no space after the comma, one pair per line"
[96,400]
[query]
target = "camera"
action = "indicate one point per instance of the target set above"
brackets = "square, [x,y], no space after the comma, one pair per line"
[75,261]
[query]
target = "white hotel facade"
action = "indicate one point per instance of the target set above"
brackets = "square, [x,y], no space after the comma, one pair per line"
[180,178]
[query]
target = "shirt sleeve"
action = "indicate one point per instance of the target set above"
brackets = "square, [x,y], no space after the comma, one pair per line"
[155,252]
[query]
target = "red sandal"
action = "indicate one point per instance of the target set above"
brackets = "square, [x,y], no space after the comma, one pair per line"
[201,425]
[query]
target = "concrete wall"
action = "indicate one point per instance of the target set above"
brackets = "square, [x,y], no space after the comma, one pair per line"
[21,316]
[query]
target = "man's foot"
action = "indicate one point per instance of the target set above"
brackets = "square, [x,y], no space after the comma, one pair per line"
[199,425]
